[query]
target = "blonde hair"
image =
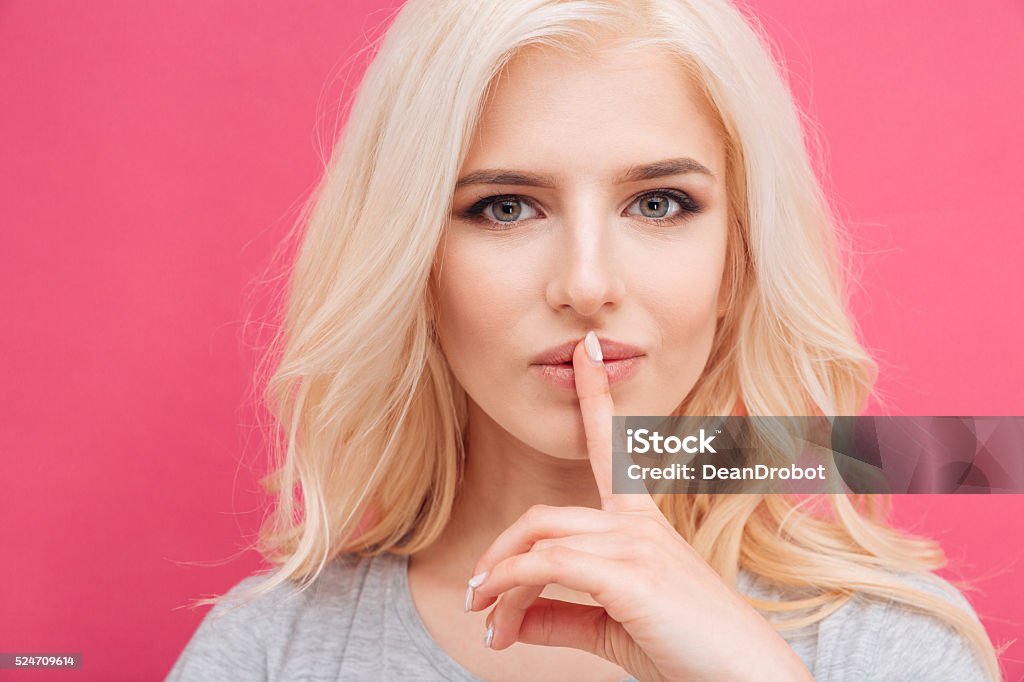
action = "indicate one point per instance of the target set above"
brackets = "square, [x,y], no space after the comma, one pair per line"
[369,419]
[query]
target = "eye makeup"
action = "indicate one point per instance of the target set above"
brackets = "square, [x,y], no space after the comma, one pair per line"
[477,212]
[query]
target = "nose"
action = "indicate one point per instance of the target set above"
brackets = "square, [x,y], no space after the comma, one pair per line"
[585,271]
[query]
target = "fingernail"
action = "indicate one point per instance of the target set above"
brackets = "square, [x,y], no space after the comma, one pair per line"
[473,583]
[593,346]
[489,636]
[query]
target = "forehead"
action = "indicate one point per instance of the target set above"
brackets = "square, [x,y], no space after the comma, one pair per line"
[586,115]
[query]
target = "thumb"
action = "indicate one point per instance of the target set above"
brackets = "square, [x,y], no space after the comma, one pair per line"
[551,622]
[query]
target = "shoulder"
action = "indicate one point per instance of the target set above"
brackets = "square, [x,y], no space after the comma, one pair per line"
[872,638]
[341,581]
[246,637]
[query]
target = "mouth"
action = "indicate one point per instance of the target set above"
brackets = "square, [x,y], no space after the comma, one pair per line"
[561,355]
[563,376]
[554,365]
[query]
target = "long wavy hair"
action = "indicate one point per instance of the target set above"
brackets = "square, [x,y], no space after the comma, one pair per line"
[368,421]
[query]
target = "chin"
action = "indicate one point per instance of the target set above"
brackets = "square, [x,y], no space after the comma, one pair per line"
[558,434]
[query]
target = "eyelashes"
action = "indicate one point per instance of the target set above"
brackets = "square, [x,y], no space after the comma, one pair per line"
[478,211]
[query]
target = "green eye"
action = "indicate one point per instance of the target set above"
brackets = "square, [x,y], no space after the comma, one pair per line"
[654,206]
[656,203]
[508,208]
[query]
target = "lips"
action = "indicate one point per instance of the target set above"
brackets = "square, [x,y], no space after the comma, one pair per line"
[563,375]
[562,354]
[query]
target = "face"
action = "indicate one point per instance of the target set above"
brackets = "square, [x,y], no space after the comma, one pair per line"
[575,237]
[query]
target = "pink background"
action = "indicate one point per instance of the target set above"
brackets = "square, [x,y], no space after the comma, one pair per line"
[155,153]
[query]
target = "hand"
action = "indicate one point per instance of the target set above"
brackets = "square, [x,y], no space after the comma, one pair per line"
[664,613]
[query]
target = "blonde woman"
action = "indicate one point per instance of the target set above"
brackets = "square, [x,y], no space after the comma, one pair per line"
[542,213]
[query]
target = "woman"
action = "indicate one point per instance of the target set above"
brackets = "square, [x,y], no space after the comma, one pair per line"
[543,213]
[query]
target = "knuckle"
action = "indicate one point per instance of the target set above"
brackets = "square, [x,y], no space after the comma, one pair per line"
[649,551]
[654,526]
[548,623]
[536,513]
[542,545]
[632,546]
[559,557]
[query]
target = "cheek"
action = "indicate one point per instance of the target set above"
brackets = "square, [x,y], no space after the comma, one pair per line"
[476,309]
[483,286]
[681,297]
[680,287]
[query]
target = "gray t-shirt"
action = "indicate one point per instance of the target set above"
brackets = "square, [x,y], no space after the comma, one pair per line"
[357,622]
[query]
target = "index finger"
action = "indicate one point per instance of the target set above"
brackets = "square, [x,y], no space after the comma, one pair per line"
[597,408]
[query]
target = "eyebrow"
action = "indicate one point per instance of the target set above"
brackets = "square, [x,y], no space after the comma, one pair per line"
[647,171]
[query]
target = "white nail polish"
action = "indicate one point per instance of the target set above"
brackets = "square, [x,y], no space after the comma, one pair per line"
[593,346]
[489,637]
[473,583]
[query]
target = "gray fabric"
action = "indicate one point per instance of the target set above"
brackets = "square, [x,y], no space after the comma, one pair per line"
[358,622]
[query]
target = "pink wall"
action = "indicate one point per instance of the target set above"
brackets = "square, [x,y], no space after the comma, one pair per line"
[154,153]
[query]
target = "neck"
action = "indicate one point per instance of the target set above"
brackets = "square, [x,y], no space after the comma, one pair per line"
[503,478]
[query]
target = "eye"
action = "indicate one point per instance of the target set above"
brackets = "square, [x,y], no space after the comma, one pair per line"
[504,211]
[500,210]
[656,206]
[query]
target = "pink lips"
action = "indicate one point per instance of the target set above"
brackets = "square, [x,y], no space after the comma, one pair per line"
[612,350]
[564,376]
[621,360]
